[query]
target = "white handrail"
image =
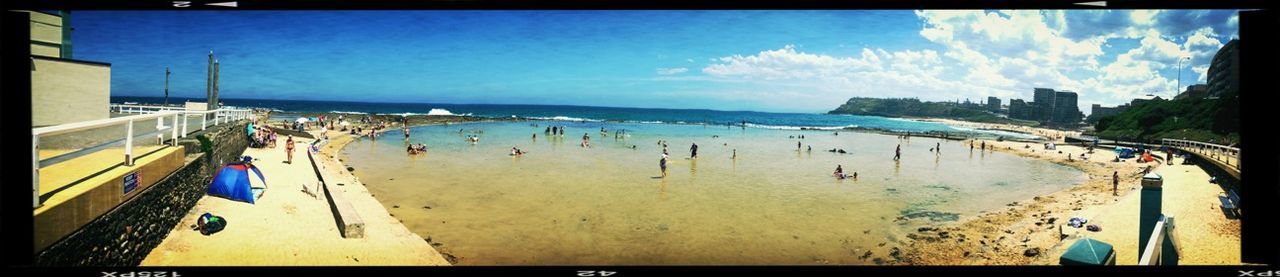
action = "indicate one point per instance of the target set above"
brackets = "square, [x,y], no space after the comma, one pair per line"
[1213,150]
[1151,255]
[220,116]
[1154,252]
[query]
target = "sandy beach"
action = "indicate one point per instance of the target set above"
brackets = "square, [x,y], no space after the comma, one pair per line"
[1021,233]
[292,223]
[1026,232]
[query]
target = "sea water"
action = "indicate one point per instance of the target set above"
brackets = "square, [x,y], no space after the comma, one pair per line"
[562,203]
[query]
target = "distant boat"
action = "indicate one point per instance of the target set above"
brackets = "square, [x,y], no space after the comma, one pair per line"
[130,103]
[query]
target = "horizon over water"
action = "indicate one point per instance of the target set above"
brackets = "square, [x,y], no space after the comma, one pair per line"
[576,113]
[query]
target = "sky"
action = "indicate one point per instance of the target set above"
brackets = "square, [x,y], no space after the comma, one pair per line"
[778,61]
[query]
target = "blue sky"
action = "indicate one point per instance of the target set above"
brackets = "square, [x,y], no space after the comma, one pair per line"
[796,61]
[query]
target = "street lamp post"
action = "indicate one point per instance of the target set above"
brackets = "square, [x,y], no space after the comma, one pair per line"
[1175,90]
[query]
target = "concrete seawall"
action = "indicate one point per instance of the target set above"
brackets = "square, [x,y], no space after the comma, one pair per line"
[124,235]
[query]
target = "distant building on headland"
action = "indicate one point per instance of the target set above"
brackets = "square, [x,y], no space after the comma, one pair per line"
[1194,92]
[1141,100]
[1224,71]
[993,104]
[63,90]
[1047,106]
[1098,111]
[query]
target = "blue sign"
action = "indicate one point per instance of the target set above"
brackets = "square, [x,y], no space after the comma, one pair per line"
[130,182]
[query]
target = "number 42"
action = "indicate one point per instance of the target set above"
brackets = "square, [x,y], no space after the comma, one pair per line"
[588,273]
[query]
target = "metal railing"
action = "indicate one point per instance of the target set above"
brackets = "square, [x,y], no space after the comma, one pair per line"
[143,109]
[1225,154]
[179,117]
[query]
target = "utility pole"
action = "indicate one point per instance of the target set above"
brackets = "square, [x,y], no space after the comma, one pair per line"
[166,86]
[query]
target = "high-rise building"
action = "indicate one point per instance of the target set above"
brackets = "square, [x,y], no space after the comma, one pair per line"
[1042,103]
[993,104]
[1065,109]
[1224,71]
[1019,109]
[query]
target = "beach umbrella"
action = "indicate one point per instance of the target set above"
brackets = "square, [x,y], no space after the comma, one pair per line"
[302,120]
[344,123]
[1088,251]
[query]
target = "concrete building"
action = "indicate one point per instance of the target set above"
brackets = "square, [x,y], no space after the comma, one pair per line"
[1194,92]
[1224,71]
[1065,109]
[1142,100]
[64,90]
[1098,111]
[993,104]
[1019,109]
[1042,103]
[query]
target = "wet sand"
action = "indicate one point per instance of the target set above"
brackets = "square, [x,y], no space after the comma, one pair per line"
[1004,236]
[774,205]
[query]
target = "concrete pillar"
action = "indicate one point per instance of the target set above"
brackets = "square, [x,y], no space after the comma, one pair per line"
[214,101]
[1149,208]
[209,83]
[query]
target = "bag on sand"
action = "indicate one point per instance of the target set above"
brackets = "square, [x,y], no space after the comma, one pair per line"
[209,224]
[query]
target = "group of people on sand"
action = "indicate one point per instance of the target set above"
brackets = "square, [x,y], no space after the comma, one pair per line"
[262,137]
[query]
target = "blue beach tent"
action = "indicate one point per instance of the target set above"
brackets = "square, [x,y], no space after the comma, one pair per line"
[233,182]
[1125,153]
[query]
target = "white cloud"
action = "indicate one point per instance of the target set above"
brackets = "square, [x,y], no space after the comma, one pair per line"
[672,71]
[999,53]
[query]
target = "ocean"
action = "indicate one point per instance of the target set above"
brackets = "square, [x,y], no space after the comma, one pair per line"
[587,114]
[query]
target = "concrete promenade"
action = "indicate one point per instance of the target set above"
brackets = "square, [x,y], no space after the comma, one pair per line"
[289,226]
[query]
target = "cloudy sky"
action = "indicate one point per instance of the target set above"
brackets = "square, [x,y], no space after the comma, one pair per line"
[792,61]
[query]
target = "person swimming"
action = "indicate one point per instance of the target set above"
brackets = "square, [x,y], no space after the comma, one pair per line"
[516,151]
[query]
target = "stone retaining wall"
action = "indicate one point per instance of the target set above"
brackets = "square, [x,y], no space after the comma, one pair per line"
[125,235]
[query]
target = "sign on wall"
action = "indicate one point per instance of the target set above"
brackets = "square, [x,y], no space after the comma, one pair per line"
[131,181]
